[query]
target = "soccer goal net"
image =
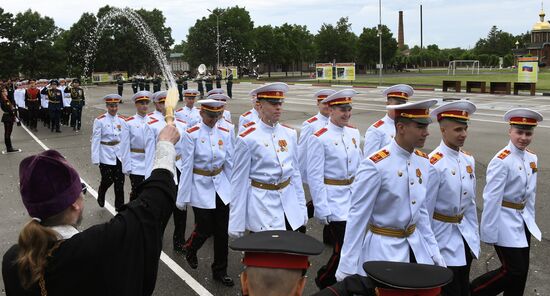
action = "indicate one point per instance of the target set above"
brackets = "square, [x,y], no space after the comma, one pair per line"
[463,65]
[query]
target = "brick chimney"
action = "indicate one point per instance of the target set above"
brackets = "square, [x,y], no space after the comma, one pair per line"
[400,34]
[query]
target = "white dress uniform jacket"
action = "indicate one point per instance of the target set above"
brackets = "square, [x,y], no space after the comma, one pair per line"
[107,130]
[66,97]
[19,98]
[44,102]
[152,129]
[206,149]
[454,195]
[268,155]
[511,177]
[333,154]
[189,115]
[227,116]
[248,116]
[132,145]
[388,191]
[378,135]
[309,126]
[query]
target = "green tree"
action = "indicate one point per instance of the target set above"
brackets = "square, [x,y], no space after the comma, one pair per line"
[497,42]
[265,47]
[368,47]
[336,42]
[8,66]
[179,48]
[79,39]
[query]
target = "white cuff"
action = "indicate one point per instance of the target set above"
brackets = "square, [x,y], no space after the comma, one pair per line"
[165,157]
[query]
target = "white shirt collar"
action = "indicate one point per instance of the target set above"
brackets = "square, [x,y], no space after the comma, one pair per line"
[334,127]
[322,117]
[448,150]
[65,231]
[399,150]
[387,119]
[515,149]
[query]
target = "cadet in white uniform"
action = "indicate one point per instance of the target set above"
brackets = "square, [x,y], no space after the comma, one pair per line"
[332,160]
[132,144]
[380,133]
[205,185]
[152,129]
[388,218]
[267,192]
[249,118]
[451,202]
[222,121]
[106,151]
[226,113]
[189,113]
[508,218]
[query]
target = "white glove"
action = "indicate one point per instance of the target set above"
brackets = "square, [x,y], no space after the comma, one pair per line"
[322,220]
[235,234]
[181,206]
[438,260]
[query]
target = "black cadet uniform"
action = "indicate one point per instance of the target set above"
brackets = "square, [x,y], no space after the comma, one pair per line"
[8,118]
[156,84]
[135,85]
[77,103]
[120,85]
[119,257]
[55,105]
[230,84]
[218,81]
[208,83]
[179,83]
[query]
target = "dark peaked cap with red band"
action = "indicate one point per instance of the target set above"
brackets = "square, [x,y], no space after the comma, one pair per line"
[407,279]
[277,249]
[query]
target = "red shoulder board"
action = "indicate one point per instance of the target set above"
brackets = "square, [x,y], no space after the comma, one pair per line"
[228,121]
[320,132]
[130,118]
[287,126]
[150,113]
[312,119]
[378,156]
[504,154]
[101,116]
[153,120]
[245,114]
[195,128]
[246,132]
[351,126]
[249,124]
[378,124]
[182,121]
[436,157]
[420,153]
[466,152]
[179,109]
[223,129]
[122,117]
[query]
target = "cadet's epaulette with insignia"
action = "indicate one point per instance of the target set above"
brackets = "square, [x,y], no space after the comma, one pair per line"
[122,117]
[420,153]
[150,113]
[466,152]
[504,154]
[182,121]
[287,126]
[246,132]
[436,157]
[351,126]
[179,109]
[195,128]
[130,118]
[378,156]
[530,151]
[153,120]
[101,116]
[245,114]
[320,132]
[249,124]
[312,119]
[378,124]
[223,129]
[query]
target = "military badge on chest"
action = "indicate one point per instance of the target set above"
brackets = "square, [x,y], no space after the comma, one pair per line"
[119,127]
[354,142]
[470,171]
[283,145]
[533,166]
[419,176]
[220,144]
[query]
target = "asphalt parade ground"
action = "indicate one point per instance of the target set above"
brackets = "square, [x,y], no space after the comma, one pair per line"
[487,135]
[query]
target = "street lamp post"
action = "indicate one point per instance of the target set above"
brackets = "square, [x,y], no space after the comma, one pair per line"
[217,36]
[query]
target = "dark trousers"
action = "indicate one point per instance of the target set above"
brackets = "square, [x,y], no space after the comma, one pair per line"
[134,88]
[180,223]
[33,114]
[230,89]
[135,180]
[208,86]
[180,92]
[55,117]
[8,128]
[326,274]
[141,86]
[120,88]
[218,84]
[211,222]
[76,115]
[510,278]
[45,117]
[23,115]
[185,86]
[112,174]
[460,286]
[66,115]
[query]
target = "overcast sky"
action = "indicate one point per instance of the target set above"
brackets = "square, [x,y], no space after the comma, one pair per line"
[448,23]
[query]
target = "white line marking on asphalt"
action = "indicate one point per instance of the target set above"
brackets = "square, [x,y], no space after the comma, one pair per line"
[180,272]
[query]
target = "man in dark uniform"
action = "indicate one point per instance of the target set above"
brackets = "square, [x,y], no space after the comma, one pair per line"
[147,83]
[141,82]
[179,83]
[32,101]
[120,84]
[218,79]
[208,82]
[229,83]
[157,81]
[200,86]
[185,78]
[77,103]
[135,84]
[55,104]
